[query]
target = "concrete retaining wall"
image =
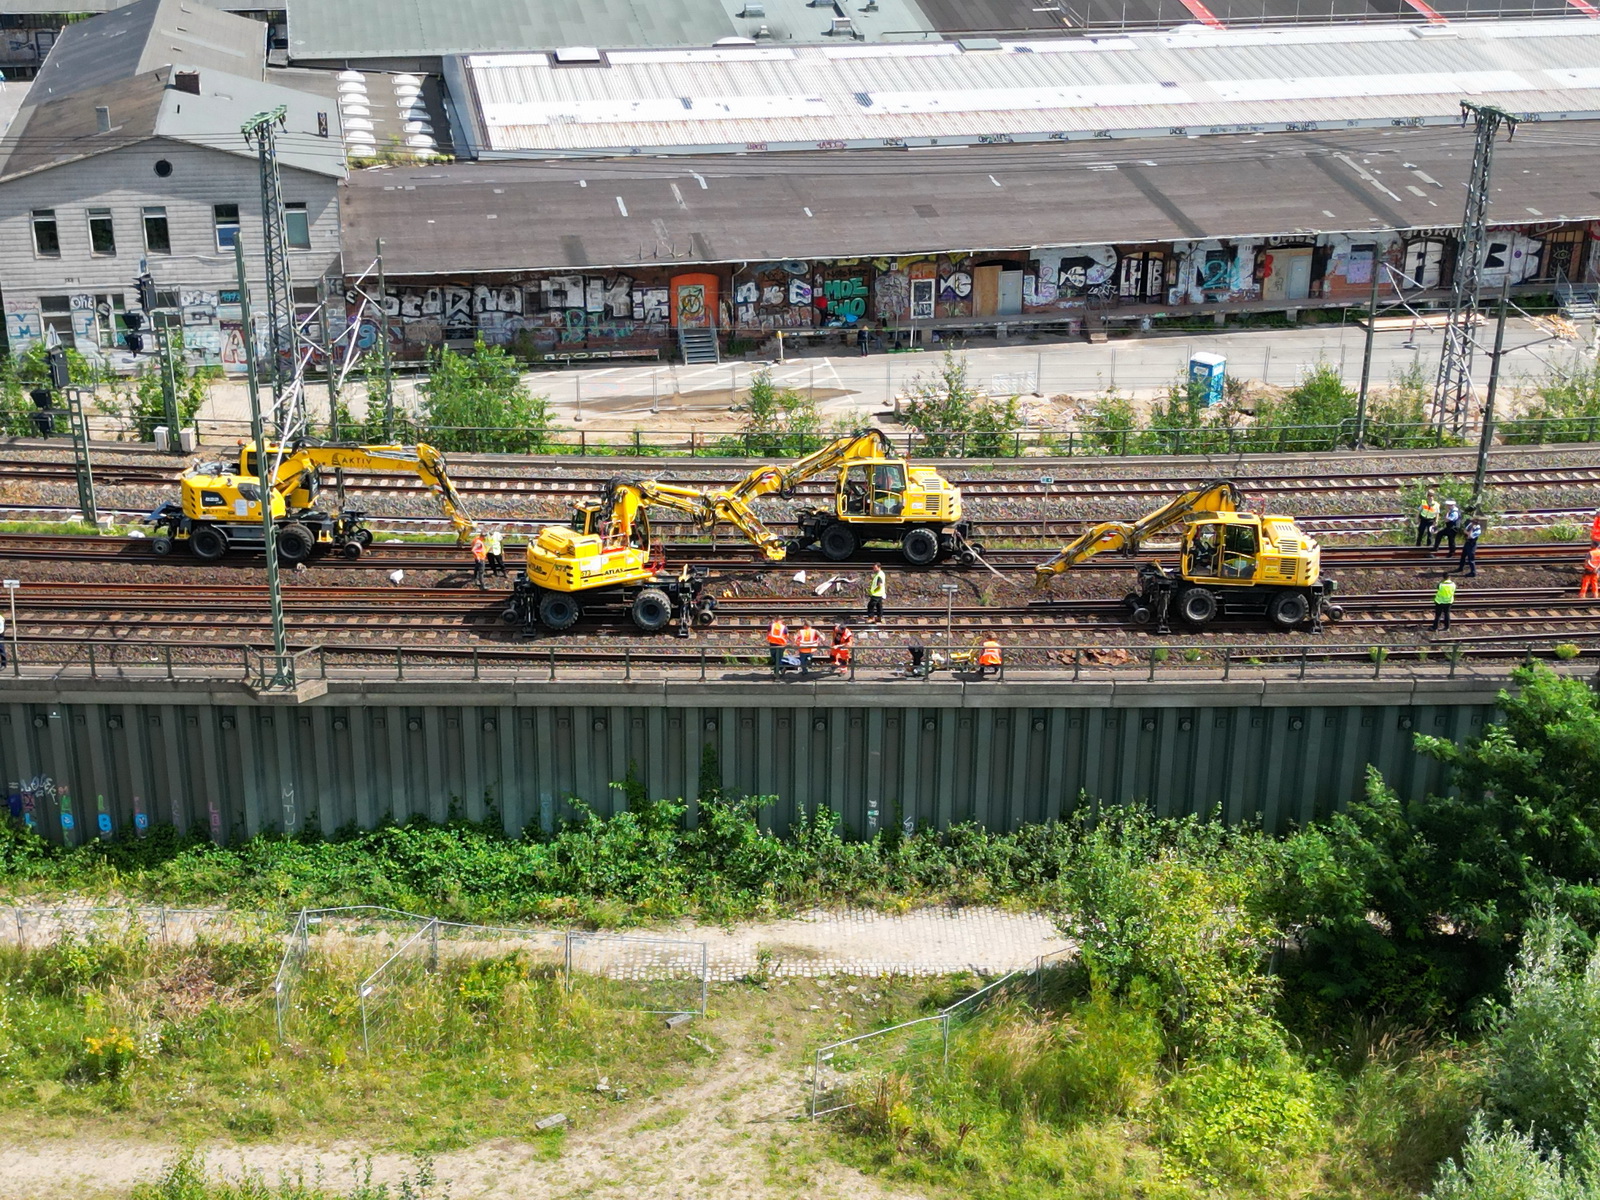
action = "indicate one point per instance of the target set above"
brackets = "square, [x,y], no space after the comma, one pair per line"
[223,758]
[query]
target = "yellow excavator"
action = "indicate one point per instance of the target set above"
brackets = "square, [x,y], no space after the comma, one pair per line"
[607,557]
[878,497]
[1234,562]
[219,504]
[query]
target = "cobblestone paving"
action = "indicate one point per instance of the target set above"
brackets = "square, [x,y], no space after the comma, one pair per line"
[926,941]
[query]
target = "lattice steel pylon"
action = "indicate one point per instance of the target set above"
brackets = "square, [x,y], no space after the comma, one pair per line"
[1453,390]
[288,352]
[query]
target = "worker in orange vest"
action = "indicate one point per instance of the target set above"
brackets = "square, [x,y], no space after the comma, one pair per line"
[480,559]
[807,642]
[1594,530]
[989,656]
[777,643]
[844,642]
[1591,575]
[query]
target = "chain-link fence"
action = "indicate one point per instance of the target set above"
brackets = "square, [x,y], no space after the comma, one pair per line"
[844,1073]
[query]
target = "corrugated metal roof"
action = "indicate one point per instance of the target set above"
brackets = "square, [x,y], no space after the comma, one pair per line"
[811,97]
[434,220]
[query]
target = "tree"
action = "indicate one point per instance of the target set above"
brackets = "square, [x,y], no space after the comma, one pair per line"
[954,417]
[1563,406]
[1418,906]
[779,422]
[31,369]
[140,404]
[478,402]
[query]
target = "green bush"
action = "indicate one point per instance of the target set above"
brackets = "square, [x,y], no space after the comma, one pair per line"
[954,418]
[477,402]
[1562,406]
[1229,1121]
[1507,1165]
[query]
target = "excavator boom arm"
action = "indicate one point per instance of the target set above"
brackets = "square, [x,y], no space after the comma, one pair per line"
[425,462]
[763,481]
[1219,495]
[627,496]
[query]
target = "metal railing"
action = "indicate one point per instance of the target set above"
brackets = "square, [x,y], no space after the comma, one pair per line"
[572,658]
[1109,442]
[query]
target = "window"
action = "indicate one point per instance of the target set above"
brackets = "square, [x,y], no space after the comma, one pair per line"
[46,239]
[57,312]
[211,499]
[227,220]
[297,222]
[102,234]
[110,326]
[157,237]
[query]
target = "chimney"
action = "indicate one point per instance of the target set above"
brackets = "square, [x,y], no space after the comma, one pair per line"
[102,119]
[187,81]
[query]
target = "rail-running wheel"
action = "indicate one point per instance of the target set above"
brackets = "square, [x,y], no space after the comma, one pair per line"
[161,546]
[352,549]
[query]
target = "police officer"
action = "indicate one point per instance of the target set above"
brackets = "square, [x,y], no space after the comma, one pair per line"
[1469,547]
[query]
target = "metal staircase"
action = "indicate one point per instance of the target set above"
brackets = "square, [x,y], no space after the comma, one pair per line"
[698,345]
[1577,303]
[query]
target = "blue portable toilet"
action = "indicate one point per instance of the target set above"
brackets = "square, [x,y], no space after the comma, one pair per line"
[1208,370]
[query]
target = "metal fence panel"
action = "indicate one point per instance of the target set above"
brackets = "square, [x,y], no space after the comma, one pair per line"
[657,975]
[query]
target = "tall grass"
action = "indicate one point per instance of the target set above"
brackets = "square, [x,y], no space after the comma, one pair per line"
[185,1037]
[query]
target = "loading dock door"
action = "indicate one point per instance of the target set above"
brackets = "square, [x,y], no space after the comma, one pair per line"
[985,291]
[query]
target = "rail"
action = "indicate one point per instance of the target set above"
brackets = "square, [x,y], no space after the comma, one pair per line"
[1300,658]
[1016,443]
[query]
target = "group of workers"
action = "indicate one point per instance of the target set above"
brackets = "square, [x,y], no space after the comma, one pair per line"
[807,640]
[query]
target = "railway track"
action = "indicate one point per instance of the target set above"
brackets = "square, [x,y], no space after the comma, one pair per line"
[741,559]
[63,612]
[569,483]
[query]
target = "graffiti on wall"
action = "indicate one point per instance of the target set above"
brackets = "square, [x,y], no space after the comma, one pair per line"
[842,301]
[775,295]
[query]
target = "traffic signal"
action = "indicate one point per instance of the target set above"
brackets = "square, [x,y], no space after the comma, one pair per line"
[147,292]
[134,340]
[59,378]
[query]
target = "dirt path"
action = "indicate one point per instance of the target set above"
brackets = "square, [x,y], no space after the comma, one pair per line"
[732,1130]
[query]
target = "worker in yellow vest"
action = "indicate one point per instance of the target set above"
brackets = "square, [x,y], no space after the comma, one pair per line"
[1443,598]
[806,644]
[777,643]
[1591,575]
[989,656]
[1426,516]
[877,589]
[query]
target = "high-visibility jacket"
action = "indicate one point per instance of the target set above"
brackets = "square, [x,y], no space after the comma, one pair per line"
[989,656]
[494,544]
[778,634]
[1592,565]
[843,642]
[1446,593]
[878,586]
[1429,511]
[479,552]
[1594,529]
[808,639]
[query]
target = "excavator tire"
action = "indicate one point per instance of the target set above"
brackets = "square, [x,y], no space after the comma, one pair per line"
[208,543]
[295,543]
[920,546]
[652,610]
[838,542]
[1288,609]
[1197,607]
[558,611]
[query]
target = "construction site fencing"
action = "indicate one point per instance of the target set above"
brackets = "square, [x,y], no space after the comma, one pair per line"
[844,1073]
[573,658]
[398,956]
[33,928]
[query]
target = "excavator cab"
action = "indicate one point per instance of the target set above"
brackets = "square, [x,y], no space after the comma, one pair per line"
[587,517]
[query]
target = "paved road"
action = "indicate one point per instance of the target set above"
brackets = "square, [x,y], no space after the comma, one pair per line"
[662,396]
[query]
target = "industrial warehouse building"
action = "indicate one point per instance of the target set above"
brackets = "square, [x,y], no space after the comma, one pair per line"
[622,199]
